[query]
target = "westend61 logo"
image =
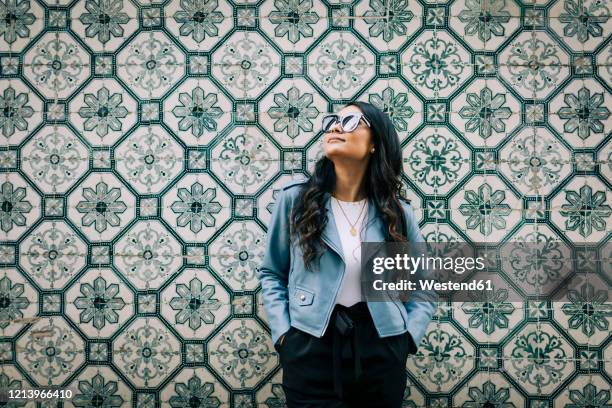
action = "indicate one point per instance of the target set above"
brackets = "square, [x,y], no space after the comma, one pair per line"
[481,272]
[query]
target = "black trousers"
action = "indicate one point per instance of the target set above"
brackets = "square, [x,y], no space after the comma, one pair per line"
[344,368]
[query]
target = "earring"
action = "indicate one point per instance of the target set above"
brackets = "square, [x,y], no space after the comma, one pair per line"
[372,151]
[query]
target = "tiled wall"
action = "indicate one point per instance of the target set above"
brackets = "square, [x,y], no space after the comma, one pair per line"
[143,145]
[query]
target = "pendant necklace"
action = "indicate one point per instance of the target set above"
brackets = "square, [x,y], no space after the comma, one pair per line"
[353,229]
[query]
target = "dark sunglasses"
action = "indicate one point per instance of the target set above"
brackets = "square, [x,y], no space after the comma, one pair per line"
[348,122]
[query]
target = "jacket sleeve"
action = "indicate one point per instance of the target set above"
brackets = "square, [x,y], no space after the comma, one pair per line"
[422,305]
[273,272]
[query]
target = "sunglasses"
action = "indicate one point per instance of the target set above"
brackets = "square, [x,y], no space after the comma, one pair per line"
[348,122]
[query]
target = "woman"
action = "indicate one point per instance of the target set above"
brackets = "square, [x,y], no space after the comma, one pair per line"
[337,350]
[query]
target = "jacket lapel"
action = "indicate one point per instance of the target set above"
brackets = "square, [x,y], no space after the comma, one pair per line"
[373,231]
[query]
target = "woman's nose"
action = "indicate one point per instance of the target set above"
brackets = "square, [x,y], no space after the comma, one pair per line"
[336,128]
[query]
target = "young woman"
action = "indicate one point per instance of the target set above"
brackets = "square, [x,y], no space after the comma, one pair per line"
[336,349]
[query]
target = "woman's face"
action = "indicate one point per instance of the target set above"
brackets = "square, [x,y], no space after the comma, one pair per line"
[354,145]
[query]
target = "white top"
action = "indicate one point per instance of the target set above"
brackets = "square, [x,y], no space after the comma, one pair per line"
[350,288]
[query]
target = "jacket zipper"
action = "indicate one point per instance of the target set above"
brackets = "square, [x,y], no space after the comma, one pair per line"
[338,287]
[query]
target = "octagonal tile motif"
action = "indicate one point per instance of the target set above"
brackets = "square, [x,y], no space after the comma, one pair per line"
[245,160]
[533,64]
[196,207]
[104,25]
[196,302]
[339,63]
[539,358]
[21,111]
[147,254]
[147,352]
[52,254]
[535,161]
[197,111]
[436,64]
[436,160]
[101,206]
[56,159]
[150,64]
[149,159]
[246,66]
[242,354]
[238,254]
[485,112]
[56,65]
[51,351]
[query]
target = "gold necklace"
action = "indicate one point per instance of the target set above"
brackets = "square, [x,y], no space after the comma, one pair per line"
[353,230]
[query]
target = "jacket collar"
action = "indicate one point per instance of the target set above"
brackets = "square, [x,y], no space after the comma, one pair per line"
[374,231]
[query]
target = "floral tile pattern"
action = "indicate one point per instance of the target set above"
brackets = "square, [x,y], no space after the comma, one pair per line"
[143,144]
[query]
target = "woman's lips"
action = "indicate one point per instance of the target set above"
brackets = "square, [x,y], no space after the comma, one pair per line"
[335,140]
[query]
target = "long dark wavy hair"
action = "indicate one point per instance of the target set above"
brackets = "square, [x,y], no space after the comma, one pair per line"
[382,184]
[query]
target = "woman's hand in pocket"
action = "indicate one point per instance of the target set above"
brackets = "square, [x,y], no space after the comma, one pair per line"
[281,340]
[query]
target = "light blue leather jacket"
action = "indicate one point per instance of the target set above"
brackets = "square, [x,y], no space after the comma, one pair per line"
[305,300]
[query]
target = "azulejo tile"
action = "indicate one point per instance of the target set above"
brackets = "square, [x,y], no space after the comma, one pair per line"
[23,22]
[584,209]
[246,65]
[99,384]
[198,25]
[245,159]
[21,206]
[149,159]
[538,358]
[485,112]
[195,303]
[382,32]
[539,277]
[101,206]
[486,387]
[146,352]
[589,328]
[56,159]
[147,254]
[392,96]
[104,25]
[294,26]
[197,111]
[339,64]
[56,65]
[103,111]
[581,113]
[196,207]
[292,112]
[533,64]
[437,160]
[194,386]
[20,299]
[96,302]
[486,24]
[486,209]
[150,64]
[241,354]
[436,64]
[236,254]
[52,254]
[444,358]
[21,113]
[535,161]
[584,389]
[51,350]
[578,34]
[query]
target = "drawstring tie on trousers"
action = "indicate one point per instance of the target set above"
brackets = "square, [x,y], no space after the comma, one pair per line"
[346,327]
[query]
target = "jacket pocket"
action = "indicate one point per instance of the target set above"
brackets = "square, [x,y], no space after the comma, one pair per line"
[303,297]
